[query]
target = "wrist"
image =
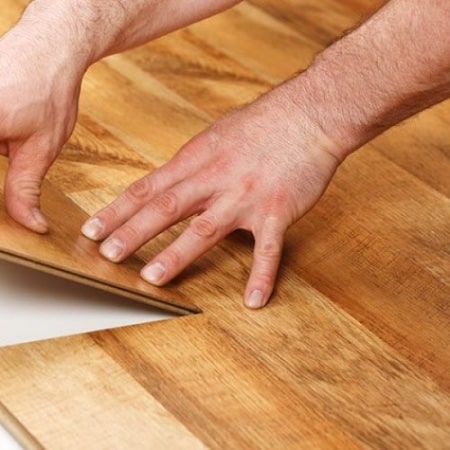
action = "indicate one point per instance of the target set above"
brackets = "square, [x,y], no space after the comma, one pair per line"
[378,75]
[333,107]
[65,29]
[319,116]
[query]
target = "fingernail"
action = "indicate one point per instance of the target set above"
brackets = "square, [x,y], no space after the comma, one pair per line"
[154,273]
[39,217]
[112,249]
[41,221]
[92,228]
[255,299]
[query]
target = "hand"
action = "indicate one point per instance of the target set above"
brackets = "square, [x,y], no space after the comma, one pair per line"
[259,169]
[39,95]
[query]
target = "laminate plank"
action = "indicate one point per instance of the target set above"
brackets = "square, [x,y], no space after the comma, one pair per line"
[93,157]
[322,22]
[66,253]
[10,14]
[235,387]
[69,412]
[353,378]
[383,256]
[421,146]
[139,119]
[228,39]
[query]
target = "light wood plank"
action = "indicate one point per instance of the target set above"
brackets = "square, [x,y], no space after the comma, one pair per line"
[74,412]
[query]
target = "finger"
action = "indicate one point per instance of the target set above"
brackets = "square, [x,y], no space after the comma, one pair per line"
[204,232]
[266,260]
[160,213]
[27,168]
[3,148]
[120,210]
[138,194]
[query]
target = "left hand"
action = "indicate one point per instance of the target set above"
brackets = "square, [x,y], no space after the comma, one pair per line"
[39,92]
[259,169]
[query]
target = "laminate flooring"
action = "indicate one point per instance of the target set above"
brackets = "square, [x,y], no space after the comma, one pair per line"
[353,351]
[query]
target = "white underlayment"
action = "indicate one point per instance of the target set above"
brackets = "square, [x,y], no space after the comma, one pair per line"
[36,306]
[7,442]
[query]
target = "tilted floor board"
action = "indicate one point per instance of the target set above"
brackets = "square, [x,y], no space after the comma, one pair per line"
[353,350]
[65,252]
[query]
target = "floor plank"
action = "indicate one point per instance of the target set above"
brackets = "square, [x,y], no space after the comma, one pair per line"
[102,401]
[65,252]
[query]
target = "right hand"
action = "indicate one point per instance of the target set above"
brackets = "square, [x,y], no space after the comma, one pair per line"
[39,92]
[260,169]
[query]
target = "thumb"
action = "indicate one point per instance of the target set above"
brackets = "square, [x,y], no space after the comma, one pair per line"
[27,169]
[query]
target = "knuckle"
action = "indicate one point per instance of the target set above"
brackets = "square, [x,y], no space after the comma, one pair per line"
[204,226]
[167,204]
[111,213]
[269,249]
[130,233]
[173,258]
[264,277]
[25,188]
[139,191]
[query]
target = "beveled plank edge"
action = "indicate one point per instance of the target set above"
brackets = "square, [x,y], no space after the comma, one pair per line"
[17,430]
[102,285]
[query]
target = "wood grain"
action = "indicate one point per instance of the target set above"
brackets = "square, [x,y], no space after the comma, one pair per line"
[354,349]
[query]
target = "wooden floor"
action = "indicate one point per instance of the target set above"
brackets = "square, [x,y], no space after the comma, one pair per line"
[354,349]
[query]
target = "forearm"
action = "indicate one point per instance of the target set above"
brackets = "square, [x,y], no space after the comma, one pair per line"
[92,29]
[393,66]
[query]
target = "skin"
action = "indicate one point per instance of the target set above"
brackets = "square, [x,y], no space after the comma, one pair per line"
[293,138]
